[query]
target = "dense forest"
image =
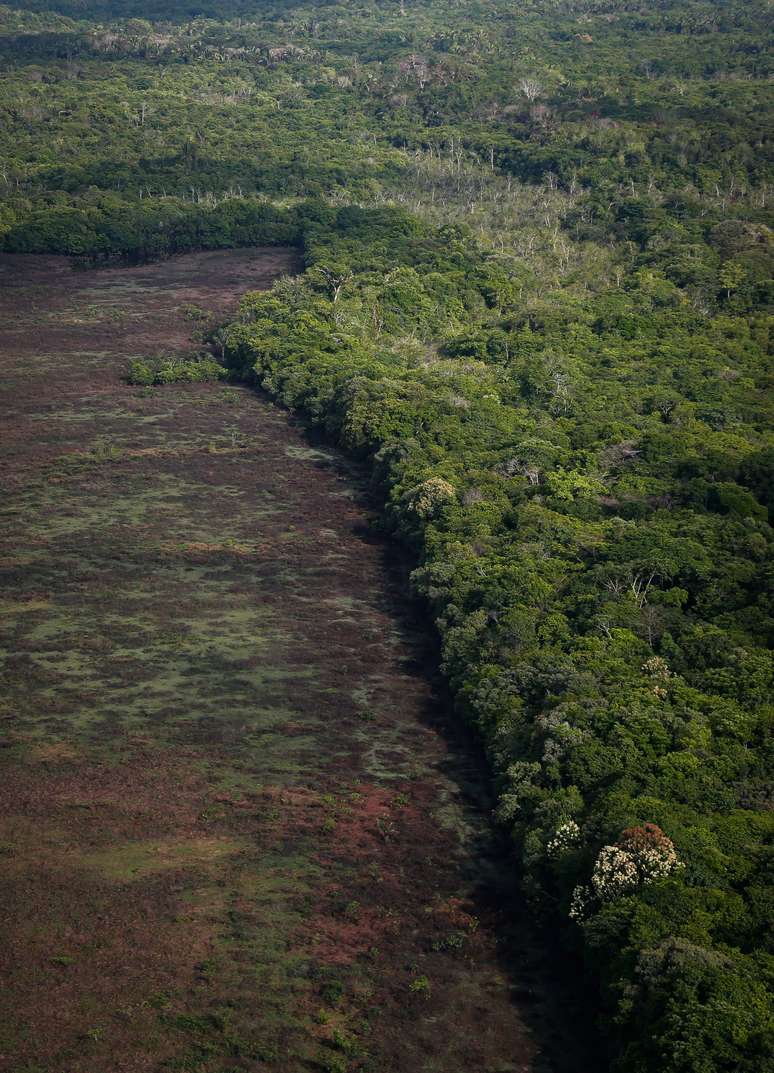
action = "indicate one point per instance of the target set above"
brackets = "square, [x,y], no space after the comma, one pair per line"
[537,247]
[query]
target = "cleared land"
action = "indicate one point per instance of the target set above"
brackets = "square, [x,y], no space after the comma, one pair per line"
[234,831]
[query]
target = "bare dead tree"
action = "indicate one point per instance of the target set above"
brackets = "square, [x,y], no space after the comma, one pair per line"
[531,88]
[336,282]
[640,587]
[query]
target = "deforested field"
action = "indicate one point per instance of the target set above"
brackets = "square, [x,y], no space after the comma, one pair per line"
[234,831]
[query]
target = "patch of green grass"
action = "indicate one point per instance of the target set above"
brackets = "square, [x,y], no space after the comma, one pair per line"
[137,860]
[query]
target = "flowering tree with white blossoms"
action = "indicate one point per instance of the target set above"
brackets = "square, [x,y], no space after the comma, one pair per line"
[566,836]
[429,496]
[641,855]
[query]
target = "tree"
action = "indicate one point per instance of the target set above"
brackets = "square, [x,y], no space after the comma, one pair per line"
[531,88]
[731,277]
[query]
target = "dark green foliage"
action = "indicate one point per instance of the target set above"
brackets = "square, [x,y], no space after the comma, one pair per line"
[154,229]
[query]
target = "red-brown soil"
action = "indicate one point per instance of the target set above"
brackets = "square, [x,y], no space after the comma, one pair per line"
[234,833]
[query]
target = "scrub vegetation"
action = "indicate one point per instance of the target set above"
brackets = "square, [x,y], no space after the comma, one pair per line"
[536,251]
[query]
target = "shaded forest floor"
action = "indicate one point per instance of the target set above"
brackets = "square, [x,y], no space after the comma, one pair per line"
[235,833]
